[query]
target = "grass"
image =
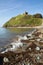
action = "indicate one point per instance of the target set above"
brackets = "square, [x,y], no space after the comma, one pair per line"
[23,20]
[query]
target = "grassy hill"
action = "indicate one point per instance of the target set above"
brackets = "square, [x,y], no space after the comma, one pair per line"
[23,20]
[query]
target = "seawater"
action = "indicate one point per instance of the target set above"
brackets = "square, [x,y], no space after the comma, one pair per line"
[6,34]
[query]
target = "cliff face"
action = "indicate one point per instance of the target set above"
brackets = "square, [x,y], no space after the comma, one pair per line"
[23,20]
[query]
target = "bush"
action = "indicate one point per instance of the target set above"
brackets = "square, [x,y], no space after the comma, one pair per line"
[37,16]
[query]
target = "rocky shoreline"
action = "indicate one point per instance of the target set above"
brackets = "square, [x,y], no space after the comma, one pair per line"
[27,50]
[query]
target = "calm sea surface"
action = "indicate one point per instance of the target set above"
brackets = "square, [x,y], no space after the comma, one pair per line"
[10,33]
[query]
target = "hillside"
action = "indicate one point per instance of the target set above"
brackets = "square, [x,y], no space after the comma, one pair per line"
[23,20]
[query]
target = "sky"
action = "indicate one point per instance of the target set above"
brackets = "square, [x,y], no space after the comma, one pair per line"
[11,8]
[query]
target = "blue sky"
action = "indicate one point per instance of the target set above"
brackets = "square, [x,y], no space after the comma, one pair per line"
[11,8]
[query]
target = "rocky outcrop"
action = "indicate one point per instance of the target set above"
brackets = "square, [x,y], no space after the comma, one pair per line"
[31,53]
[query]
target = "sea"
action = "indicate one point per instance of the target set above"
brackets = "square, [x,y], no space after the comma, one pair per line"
[7,34]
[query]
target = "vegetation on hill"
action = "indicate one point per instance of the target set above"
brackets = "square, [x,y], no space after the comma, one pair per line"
[24,20]
[37,15]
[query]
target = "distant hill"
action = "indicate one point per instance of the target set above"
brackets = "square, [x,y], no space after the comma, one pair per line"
[24,20]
